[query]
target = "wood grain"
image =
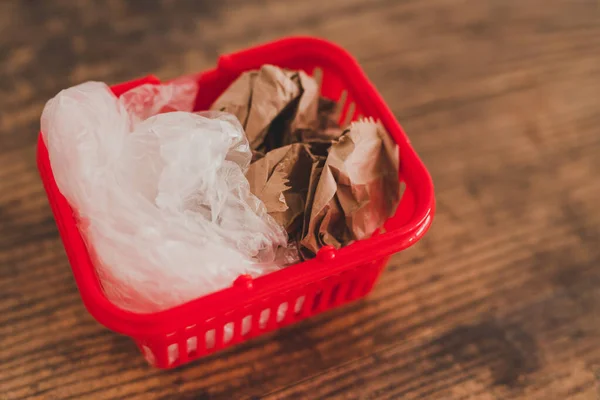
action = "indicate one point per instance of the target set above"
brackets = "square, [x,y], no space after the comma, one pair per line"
[501,300]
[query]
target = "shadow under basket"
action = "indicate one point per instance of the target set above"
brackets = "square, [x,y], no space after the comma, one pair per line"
[251,307]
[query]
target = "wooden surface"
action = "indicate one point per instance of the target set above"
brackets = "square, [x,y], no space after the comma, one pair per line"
[501,300]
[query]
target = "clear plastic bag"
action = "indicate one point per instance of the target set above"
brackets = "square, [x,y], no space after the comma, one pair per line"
[161,197]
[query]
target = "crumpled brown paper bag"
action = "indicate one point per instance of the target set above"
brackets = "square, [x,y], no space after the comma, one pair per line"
[358,189]
[319,125]
[256,98]
[324,184]
[281,180]
[277,107]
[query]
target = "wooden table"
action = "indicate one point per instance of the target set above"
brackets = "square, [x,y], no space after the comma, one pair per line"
[501,300]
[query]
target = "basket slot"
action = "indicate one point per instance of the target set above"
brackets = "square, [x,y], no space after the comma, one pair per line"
[191,341]
[209,339]
[335,290]
[246,326]
[342,102]
[318,76]
[265,314]
[349,115]
[338,294]
[148,354]
[162,352]
[228,332]
[192,346]
[172,353]
[299,304]
[282,311]
[316,302]
[325,297]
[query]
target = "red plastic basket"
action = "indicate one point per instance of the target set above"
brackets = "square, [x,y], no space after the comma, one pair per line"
[251,307]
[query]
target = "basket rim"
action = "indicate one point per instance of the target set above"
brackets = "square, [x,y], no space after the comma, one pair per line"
[328,263]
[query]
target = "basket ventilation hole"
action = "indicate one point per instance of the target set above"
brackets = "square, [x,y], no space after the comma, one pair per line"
[318,76]
[227,332]
[334,293]
[349,114]
[149,355]
[317,300]
[341,103]
[192,345]
[264,318]
[281,311]
[209,338]
[246,324]
[299,304]
[173,352]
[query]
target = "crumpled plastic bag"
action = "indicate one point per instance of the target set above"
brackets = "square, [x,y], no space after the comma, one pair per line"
[161,197]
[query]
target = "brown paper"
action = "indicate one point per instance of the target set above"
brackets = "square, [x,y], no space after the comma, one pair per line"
[236,99]
[300,115]
[358,189]
[256,98]
[325,185]
[256,155]
[324,127]
[281,180]
[278,107]
[306,116]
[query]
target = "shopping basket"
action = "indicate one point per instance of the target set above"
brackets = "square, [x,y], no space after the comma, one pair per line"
[252,307]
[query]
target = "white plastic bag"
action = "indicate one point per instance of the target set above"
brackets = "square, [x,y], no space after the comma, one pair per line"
[162,199]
